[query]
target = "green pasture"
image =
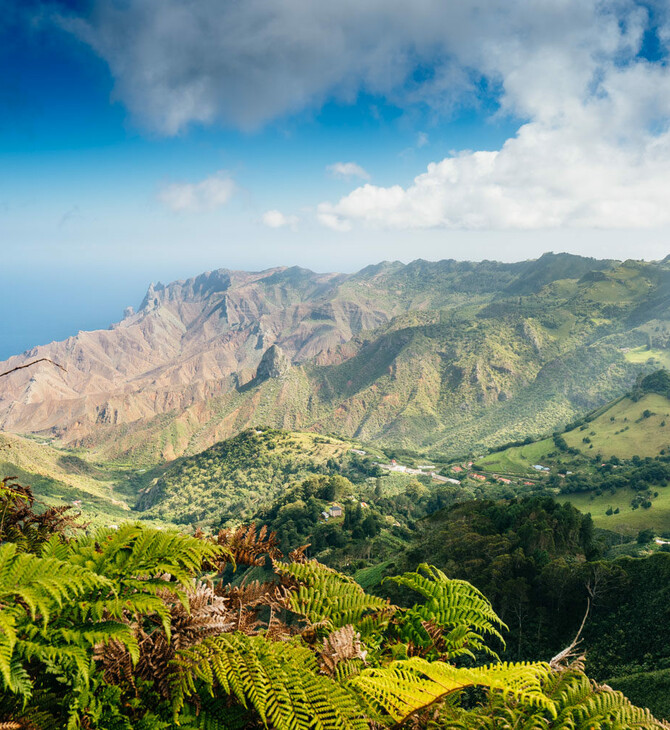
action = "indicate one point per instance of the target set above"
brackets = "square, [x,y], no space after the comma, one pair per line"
[623,430]
[629,521]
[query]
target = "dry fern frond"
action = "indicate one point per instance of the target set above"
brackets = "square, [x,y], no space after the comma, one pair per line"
[298,555]
[341,645]
[207,615]
[26,527]
[248,547]
[246,602]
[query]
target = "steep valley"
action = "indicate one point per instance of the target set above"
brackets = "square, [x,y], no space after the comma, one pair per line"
[451,356]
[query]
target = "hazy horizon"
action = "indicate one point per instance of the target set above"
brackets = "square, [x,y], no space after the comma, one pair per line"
[27,323]
[155,140]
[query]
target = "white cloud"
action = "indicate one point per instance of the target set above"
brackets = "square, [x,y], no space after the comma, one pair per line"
[593,150]
[177,62]
[276,219]
[347,170]
[206,195]
[545,177]
[421,140]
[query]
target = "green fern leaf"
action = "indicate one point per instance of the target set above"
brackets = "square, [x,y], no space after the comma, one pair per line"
[279,681]
[404,687]
[463,612]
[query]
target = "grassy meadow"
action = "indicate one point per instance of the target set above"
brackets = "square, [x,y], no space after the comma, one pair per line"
[628,521]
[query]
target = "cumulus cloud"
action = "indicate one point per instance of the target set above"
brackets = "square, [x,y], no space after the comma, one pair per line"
[545,177]
[176,62]
[595,151]
[206,195]
[591,150]
[276,219]
[347,170]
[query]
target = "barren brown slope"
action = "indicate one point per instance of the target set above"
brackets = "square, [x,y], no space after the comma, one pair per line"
[189,341]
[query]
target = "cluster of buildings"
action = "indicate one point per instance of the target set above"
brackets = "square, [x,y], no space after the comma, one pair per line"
[463,470]
[427,470]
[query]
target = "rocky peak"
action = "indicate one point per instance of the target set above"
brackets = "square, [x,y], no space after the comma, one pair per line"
[152,297]
[273,364]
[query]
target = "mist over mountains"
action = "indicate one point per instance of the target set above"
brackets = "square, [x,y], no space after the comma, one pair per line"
[446,355]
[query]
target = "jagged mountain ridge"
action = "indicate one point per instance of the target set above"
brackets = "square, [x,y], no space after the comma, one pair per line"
[445,353]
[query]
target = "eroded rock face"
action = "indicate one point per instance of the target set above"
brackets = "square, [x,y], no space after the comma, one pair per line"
[188,342]
[273,364]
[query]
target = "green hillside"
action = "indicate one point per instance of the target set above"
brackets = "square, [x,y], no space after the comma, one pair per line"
[635,424]
[627,521]
[58,476]
[614,463]
[233,479]
[626,428]
[473,355]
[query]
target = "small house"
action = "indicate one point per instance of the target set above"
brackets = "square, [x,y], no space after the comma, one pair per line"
[335,510]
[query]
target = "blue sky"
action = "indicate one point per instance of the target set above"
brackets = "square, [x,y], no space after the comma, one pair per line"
[150,140]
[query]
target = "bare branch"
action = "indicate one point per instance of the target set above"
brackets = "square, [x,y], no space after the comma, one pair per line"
[563,657]
[34,362]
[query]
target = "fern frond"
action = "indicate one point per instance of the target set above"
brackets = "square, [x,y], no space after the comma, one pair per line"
[73,661]
[579,704]
[464,614]
[42,584]
[342,646]
[324,596]
[279,681]
[583,704]
[405,687]
[136,552]
[35,588]
[247,546]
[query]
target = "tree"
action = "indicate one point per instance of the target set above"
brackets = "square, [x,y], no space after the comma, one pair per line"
[645,536]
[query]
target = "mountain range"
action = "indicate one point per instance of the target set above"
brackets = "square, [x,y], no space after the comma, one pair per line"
[445,356]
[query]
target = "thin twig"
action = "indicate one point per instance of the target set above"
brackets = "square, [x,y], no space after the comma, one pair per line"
[34,362]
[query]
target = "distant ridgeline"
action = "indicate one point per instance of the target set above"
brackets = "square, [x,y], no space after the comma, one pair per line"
[455,357]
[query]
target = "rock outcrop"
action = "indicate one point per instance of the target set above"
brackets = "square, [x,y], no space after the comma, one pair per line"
[273,364]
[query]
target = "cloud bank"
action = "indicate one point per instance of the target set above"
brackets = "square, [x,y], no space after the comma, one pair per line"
[587,77]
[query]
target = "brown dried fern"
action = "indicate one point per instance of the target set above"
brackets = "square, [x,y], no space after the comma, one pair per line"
[249,547]
[341,645]
[208,615]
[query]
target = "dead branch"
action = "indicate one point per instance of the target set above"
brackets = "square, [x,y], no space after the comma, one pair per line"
[29,364]
[562,659]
